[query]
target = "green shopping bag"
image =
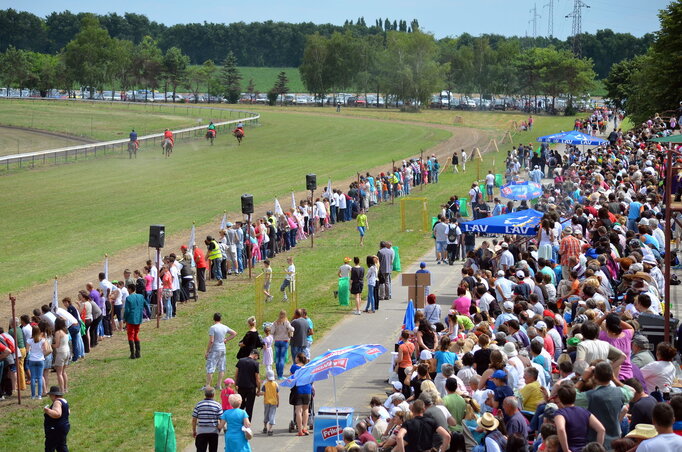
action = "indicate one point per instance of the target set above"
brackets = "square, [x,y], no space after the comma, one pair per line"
[396,260]
[499,180]
[344,291]
[164,433]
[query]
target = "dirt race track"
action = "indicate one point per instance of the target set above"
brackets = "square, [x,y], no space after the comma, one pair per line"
[18,140]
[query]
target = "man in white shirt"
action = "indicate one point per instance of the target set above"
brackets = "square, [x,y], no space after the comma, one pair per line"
[174,268]
[504,288]
[489,185]
[506,258]
[341,214]
[663,417]
[218,335]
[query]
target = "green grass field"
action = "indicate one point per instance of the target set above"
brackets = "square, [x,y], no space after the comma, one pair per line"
[167,378]
[104,121]
[265,77]
[76,224]
[16,141]
[67,216]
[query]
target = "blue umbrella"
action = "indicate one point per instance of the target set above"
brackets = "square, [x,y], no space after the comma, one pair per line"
[408,320]
[573,137]
[332,363]
[521,190]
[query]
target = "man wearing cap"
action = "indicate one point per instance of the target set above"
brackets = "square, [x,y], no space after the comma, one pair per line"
[568,247]
[502,389]
[56,423]
[641,356]
[504,288]
[506,257]
[536,175]
[651,267]
[507,314]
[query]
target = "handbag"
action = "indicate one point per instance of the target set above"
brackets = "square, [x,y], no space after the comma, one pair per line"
[248,433]
[48,348]
[83,328]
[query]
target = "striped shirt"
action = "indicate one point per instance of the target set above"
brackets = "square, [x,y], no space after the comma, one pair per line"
[208,413]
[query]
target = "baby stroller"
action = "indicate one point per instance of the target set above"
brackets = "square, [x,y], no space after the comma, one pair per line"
[311,411]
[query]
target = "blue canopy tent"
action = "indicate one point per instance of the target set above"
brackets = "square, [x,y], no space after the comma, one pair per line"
[573,137]
[525,222]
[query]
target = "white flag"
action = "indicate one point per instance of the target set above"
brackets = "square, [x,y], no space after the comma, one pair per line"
[106,267]
[55,296]
[191,243]
[223,222]
[278,208]
[293,201]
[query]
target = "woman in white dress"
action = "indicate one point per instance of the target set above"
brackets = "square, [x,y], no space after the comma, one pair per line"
[546,239]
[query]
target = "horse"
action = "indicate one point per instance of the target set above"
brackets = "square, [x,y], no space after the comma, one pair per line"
[132,149]
[239,135]
[210,135]
[167,146]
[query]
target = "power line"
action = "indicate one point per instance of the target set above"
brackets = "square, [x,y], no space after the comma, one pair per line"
[577,15]
[550,18]
[534,19]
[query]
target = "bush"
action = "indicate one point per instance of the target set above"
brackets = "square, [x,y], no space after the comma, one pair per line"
[272,97]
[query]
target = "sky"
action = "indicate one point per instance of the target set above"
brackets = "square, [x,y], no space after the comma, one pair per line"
[440,17]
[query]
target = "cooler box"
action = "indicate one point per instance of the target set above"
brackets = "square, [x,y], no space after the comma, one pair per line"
[463,210]
[326,427]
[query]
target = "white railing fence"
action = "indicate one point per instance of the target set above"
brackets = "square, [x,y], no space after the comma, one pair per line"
[90,150]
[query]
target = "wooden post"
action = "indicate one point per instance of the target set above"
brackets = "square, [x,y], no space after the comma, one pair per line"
[12,300]
[496,147]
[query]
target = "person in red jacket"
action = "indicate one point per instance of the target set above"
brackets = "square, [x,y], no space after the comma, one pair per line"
[169,134]
[201,265]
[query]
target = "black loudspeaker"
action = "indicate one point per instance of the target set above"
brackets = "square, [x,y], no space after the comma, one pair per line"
[311,181]
[247,204]
[157,236]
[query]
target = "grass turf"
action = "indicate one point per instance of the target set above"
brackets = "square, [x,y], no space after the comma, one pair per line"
[126,393]
[78,212]
[264,78]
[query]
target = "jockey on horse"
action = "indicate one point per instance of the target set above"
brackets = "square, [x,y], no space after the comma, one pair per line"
[239,130]
[133,138]
[168,134]
[212,129]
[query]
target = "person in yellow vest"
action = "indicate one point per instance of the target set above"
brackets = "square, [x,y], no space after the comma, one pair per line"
[270,402]
[363,225]
[215,256]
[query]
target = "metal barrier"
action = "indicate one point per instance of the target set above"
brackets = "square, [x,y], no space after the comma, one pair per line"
[30,159]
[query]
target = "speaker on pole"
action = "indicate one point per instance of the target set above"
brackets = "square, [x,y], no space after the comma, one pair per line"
[157,236]
[311,181]
[247,204]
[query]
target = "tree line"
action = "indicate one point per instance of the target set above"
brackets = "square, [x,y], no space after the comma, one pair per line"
[272,44]
[652,83]
[410,67]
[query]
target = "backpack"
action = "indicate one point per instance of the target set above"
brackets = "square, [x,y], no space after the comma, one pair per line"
[452,234]
[479,196]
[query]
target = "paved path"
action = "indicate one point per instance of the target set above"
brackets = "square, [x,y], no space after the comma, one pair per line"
[356,387]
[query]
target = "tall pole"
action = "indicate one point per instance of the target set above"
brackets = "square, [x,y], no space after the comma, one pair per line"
[159,304]
[550,20]
[668,238]
[248,240]
[12,300]
[312,224]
